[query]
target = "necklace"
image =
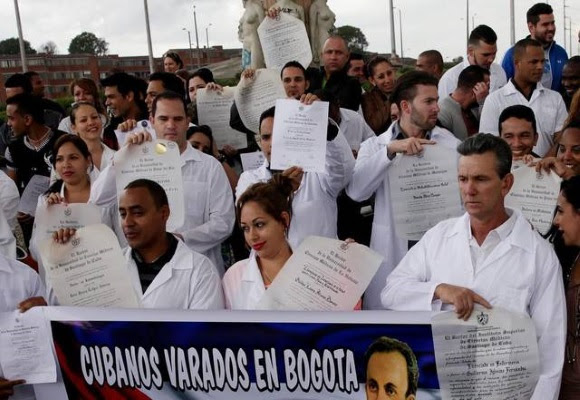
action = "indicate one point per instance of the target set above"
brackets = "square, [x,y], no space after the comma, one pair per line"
[266,277]
[35,142]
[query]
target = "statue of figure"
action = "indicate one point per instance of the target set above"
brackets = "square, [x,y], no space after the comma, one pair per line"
[321,23]
[289,7]
[252,56]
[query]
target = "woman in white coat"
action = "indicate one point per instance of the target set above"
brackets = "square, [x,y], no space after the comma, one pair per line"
[73,163]
[263,211]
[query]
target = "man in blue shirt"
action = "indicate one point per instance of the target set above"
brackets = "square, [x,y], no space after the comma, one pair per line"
[540,18]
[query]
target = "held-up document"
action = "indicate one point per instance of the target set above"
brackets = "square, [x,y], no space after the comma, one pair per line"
[299,135]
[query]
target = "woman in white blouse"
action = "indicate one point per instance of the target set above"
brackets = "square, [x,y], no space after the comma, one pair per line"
[263,212]
[86,123]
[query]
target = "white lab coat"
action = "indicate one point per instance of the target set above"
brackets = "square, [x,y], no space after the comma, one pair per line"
[9,199]
[243,284]
[355,128]
[371,176]
[187,281]
[521,274]
[18,282]
[549,110]
[209,207]
[314,209]
[7,239]
[448,82]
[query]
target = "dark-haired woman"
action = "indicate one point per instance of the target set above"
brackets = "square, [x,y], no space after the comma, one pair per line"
[73,164]
[264,212]
[566,238]
[375,103]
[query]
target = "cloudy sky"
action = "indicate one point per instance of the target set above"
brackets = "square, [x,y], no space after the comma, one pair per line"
[438,24]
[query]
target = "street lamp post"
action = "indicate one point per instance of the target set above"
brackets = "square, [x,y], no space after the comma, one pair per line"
[207,40]
[401,33]
[473,21]
[149,45]
[190,49]
[393,44]
[196,38]
[20,37]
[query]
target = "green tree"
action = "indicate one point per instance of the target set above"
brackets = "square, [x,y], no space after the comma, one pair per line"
[88,43]
[355,38]
[11,46]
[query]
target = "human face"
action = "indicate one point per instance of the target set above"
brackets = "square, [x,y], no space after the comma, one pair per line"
[18,122]
[567,219]
[170,122]
[263,233]
[387,377]
[481,188]
[266,129]
[356,70]
[81,94]
[520,136]
[569,149]
[423,109]
[530,67]
[37,85]
[169,65]
[200,142]
[482,54]
[118,104]
[394,112]
[153,89]
[194,85]
[71,165]
[334,55]
[294,81]
[424,64]
[383,77]
[571,78]
[88,124]
[142,222]
[13,91]
[544,30]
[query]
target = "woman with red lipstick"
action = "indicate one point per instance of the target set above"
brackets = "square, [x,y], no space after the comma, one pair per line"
[567,229]
[264,212]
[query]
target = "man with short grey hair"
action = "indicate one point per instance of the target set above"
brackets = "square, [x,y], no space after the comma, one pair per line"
[490,256]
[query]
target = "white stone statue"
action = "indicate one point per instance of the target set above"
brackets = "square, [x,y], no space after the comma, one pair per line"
[252,56]
[289,7]
[321,23]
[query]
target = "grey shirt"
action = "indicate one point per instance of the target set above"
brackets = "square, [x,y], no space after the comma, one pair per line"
[451,118]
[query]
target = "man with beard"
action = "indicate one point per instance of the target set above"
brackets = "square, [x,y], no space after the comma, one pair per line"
[481,50]
[525,88]
[416,97]
[456,110]
[540,18]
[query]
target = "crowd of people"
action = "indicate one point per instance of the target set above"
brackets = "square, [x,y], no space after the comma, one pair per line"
[240,227]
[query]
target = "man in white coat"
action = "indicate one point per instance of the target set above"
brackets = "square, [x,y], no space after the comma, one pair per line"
[20,288]
[165,272]
[491,256]
[314,209]
[526,89]
[209,207]
[481,50]
[416,96]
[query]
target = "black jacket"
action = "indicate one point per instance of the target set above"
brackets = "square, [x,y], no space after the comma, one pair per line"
[347,89]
